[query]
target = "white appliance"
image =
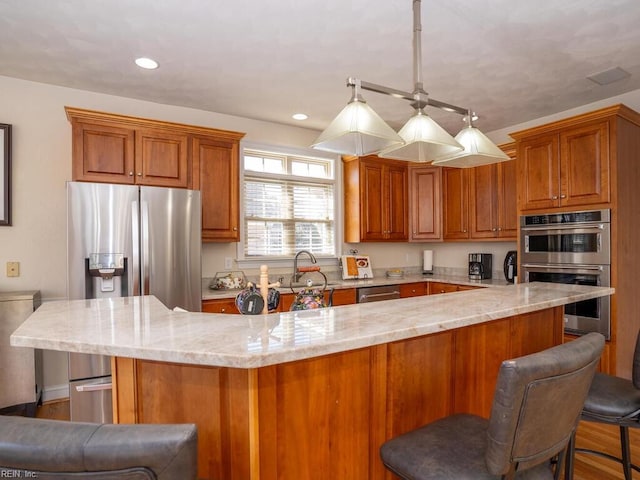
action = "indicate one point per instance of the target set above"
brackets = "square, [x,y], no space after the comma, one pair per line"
[126,240]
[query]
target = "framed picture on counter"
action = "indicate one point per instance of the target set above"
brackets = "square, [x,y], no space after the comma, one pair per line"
[5,175]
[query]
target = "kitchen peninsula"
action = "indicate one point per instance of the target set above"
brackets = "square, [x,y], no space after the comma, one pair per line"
[307,394]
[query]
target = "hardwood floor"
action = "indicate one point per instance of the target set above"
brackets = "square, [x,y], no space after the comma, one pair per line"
[587,467]
[54,410]
[604,438]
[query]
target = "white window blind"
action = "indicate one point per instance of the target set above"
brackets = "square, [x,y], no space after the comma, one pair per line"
[288,205]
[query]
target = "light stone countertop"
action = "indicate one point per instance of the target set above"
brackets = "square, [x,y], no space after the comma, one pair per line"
[142,327]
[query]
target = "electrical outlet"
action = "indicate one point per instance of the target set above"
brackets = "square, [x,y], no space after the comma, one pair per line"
[13,269]
[228,263]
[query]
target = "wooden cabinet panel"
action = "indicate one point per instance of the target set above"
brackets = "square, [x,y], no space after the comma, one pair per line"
[455,204]
[217,165]
[484,211]
[376,200]
[223,305]
[410,384]
[425,208]
[161,158]
[441,287]
[103,153]
[373,199]
[492,198]
[508,199]
[568,167]
[584,164]
[479,351]
[416,289]
[538,172]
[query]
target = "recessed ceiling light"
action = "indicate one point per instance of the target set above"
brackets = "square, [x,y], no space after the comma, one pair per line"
[299,116]
[147,63]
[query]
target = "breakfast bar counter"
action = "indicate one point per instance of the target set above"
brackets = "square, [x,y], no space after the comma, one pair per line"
[307,394]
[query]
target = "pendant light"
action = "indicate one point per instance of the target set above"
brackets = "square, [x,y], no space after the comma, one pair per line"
[358,130]
[478,149]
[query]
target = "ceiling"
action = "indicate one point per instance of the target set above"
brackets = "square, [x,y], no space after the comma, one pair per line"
[509,60]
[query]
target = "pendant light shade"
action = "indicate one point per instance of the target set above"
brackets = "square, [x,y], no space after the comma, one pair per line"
[478,150]
[357,130]
[424,140]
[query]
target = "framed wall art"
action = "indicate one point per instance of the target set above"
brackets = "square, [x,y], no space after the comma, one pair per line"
[5,175]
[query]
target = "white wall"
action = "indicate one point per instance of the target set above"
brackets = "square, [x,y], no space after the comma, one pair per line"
[41,164]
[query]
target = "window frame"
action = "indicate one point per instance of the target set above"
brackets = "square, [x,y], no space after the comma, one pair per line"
[285,260]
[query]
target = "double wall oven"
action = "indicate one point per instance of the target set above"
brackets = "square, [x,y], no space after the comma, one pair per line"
[573,248]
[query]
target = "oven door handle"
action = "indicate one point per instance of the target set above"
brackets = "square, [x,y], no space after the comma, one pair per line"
[563,267]
[555,228]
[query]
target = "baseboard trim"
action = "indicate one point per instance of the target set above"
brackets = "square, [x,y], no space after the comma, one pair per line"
[55,392]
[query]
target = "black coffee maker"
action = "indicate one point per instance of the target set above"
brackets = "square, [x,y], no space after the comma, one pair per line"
[480,265]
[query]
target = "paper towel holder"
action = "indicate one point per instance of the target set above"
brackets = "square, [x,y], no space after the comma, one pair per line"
[427,262]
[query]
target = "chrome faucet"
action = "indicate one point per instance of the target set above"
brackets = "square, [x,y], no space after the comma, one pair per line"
[296,273]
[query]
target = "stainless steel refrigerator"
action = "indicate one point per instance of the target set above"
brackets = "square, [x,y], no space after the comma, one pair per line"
[125,240]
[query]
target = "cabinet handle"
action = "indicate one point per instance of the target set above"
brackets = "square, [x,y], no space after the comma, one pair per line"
[139,174]
[499,229]
[555,197]
[235,229]
[131,174]
[563,196]
[222,310]
[494,229]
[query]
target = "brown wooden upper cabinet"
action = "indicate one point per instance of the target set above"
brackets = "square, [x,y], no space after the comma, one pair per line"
[455,203]
[425,206]
[376,200]
[566,167]
[113,148]
[492,198]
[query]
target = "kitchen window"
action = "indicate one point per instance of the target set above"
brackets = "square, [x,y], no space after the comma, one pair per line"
[288,205]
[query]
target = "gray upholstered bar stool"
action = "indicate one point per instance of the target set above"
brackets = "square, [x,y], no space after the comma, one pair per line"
[536,407]
[58,450]
[616,401]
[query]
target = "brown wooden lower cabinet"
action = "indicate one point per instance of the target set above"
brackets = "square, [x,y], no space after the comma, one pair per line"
[326,417]
[441,287]
[416,289]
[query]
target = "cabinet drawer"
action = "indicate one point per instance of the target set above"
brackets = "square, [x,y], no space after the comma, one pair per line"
[413,289]
[226,305]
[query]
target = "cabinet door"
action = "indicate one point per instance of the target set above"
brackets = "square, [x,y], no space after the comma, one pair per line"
[538,172]
[483,196]
[507,200]
[455,204]
[161,158]
[103,153]
[372,210]
[396,204]
[425,210]
[584,164]
[217,176]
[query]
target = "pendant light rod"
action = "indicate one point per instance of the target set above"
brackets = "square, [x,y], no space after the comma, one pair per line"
[431,102]
[417,50]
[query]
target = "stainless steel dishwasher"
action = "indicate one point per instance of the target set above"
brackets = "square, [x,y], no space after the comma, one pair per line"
[377,294]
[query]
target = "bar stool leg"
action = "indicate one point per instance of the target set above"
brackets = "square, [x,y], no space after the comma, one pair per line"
[571,450]
[626,454]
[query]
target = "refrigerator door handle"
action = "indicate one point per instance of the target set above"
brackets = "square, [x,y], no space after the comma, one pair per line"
[94,388]
[144,246]
[135,233]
